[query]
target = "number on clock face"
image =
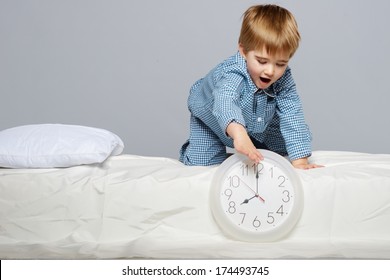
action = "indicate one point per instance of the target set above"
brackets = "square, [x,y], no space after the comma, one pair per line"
[257,197]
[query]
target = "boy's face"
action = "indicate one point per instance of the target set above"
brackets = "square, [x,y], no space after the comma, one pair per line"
[265,68]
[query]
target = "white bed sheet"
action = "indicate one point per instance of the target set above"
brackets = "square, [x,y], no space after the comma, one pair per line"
[147,207]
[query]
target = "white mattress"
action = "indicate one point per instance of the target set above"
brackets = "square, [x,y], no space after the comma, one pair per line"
[147,207]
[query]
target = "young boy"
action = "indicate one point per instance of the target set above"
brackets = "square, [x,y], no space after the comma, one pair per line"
[250,101]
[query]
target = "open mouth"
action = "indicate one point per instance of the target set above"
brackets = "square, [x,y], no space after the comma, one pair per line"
[265,80]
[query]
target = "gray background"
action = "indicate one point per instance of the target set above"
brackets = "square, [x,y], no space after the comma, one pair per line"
[127,66]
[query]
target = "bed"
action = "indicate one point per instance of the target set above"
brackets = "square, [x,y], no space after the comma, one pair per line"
[137,207]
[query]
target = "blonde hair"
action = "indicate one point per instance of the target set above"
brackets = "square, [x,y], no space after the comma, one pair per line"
[269,26]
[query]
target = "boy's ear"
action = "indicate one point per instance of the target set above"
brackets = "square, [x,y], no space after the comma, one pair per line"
[241,49]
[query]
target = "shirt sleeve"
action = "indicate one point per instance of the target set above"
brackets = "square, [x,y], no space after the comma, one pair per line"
[293,127]
[226,95]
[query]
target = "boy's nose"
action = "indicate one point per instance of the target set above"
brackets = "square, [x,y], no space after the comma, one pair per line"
[270,70]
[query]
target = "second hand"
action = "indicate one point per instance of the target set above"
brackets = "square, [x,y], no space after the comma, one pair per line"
[255,193]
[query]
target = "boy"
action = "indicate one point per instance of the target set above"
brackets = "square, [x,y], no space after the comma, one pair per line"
[250,101]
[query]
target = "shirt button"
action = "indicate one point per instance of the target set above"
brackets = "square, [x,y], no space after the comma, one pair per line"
[259,119]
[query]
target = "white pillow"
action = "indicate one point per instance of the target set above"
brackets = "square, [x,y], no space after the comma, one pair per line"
[56,145]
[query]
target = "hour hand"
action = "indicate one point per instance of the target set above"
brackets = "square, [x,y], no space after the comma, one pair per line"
[247,200]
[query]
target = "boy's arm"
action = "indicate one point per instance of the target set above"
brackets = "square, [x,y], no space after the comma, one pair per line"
[242,143]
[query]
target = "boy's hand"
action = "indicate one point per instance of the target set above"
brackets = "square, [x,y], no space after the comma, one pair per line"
[303,163]
[242,143]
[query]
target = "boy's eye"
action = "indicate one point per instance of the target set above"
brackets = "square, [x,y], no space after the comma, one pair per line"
[281,64]
[262,61]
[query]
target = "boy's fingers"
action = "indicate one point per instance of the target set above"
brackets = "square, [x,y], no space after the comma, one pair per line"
[261,156]
[256,156]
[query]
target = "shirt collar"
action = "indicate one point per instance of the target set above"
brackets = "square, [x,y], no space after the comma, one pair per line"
[242,63]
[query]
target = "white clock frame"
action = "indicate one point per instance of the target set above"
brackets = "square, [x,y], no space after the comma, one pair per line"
[286,186]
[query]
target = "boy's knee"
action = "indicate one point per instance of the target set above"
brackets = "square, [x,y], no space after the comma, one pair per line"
[202,161]
[200,158]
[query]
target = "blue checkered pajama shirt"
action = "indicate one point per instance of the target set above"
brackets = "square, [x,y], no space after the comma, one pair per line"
[227,93]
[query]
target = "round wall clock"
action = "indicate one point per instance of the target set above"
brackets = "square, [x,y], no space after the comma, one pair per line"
[256,202]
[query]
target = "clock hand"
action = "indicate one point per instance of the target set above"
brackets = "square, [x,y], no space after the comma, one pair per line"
[248,186]
[247,200]
[255,193]
[257,183]
[262,199]
[257,178]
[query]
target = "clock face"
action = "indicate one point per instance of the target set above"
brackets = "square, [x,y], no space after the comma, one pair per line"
[256,202]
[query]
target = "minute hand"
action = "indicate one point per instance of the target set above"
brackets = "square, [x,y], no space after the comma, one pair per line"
[257,179]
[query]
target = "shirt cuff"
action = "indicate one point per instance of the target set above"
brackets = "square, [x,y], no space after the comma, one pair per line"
[227,119]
